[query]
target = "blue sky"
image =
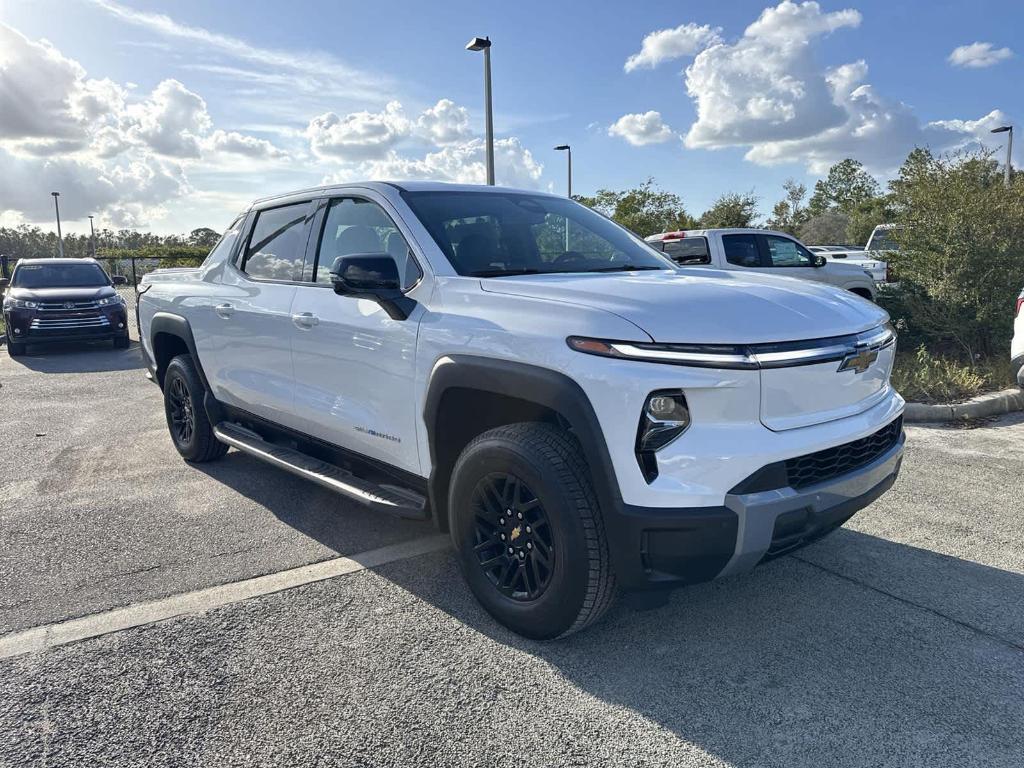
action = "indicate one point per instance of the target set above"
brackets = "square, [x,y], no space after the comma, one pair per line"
[169,116]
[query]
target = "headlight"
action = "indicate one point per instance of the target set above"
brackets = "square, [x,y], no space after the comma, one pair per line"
[12,303]
[108,300]
[664,418]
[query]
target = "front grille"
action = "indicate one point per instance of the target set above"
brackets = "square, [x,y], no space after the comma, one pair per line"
[69,322]
[832,462]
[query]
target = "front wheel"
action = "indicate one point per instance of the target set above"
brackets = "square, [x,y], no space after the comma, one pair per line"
[15,348]
[528,531]
[189,426]
[122,342]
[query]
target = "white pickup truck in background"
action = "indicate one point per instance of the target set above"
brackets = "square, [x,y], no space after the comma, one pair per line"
[869,262]
[759,250]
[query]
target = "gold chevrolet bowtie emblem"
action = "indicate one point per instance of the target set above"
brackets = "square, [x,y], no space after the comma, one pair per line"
[515,533]
[860,361]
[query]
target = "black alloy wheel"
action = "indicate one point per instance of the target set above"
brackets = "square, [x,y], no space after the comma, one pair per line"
[514,538]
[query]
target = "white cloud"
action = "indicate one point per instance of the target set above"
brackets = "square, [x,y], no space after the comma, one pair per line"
[514,165]
[358,135]
[108,151]
[668,44]
[978,55]
[171,121]
[766,86]
[444,123]
[641,129]
[317,69]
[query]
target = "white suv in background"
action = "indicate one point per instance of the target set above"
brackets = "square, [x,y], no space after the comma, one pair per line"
[759,250]
[580,414]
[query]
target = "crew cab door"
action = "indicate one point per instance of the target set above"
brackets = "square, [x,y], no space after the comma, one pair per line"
[245,342]
[785,257]
[354,365]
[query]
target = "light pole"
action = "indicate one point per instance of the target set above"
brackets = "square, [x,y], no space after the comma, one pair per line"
[1008,130]
[60,238]
[484,44]
[92,237]
[566,148]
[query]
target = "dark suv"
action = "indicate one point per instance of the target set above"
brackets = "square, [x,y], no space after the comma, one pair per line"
[62,300]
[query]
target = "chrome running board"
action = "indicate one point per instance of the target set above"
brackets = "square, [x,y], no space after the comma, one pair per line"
[389,499]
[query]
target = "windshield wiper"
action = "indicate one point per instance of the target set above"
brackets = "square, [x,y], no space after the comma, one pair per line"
[504,272]
[626,268]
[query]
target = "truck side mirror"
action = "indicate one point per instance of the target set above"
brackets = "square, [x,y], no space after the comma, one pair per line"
[373,276]
[819,260]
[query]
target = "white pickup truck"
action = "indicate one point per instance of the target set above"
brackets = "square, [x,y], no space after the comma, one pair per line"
[579,413]
[760,250]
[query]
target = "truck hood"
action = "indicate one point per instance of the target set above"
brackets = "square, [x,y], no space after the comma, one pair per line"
[707,306]
[61,294]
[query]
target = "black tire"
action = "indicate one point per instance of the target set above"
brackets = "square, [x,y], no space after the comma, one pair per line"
[191,431]
[122,342]
[548,463]
[15,348]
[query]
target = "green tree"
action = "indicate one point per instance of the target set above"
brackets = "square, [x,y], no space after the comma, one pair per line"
[866,216]
[203,237]
[730,210]
[846,186]
[646,210]
[961,251]
[825,228]
[789,213]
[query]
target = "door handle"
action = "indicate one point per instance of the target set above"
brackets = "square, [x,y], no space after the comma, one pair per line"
[224,310]
[305,320]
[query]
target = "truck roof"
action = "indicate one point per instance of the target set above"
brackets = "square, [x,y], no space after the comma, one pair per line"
[683,233]
[408,186]
[59,260]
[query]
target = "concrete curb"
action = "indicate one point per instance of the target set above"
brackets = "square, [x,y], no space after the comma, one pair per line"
[992,404]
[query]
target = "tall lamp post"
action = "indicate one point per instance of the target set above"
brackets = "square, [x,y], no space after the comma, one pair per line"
[60,237]
[568,150]
[92,237]
[484,44]
[1008,130]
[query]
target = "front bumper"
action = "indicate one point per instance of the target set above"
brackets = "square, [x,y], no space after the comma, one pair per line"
[31,327]
[656,547]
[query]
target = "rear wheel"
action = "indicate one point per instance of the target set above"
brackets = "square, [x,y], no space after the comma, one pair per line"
[528,531]
[15,348]
[189,426]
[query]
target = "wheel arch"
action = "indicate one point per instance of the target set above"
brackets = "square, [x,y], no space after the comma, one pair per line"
[499,392]
[171,335]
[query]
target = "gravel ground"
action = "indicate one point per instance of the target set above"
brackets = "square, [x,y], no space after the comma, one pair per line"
[898,640]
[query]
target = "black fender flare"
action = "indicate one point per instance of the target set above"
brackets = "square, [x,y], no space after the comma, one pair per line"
[522,381]
[178,326]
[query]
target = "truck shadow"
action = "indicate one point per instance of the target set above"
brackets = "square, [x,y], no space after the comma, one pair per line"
[84,357]
[855,650]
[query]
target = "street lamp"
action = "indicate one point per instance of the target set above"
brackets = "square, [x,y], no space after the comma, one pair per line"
[92,237]
[484,44]
[1008,130]
[60,238]
[566,148]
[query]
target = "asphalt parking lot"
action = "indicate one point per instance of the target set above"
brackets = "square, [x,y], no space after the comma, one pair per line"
[898,640]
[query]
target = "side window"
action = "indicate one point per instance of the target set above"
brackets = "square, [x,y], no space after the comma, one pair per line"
[741,250]
[277,246]
[689,250]
[353,225]
[784,252]
[226,242]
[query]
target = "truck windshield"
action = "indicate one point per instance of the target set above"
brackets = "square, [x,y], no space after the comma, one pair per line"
[59,276]
[493,234]
[881,240]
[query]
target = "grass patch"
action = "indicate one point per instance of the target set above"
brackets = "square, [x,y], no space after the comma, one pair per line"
[923,377]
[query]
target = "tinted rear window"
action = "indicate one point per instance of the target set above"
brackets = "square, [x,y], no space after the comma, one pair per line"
[59,276]
[689,250]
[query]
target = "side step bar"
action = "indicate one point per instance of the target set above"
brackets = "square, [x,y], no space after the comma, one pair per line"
[389,499]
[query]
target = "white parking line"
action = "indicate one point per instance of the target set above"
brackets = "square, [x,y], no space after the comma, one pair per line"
[118,619]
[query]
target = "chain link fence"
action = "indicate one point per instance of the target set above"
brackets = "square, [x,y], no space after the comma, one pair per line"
[133,269]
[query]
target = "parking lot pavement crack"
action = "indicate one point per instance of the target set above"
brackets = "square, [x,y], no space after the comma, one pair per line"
[1011,644]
